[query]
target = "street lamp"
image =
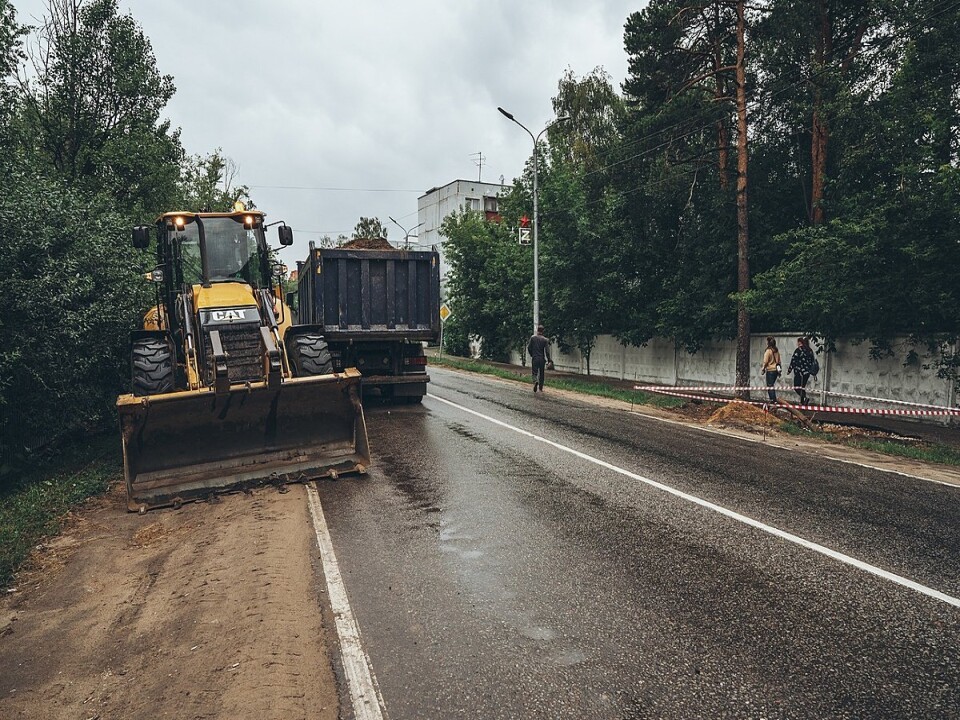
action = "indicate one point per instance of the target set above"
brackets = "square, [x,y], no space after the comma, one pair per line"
[406,233]
[536,221]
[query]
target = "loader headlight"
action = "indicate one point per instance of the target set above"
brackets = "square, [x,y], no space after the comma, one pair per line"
[179,222]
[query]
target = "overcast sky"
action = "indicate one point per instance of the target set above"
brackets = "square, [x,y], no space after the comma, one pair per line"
[367,96]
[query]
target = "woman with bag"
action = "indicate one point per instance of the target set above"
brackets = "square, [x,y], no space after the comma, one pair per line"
[802,366]
[771,366]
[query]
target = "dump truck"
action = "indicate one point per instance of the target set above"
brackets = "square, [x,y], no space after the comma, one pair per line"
[226,391]
[375,306]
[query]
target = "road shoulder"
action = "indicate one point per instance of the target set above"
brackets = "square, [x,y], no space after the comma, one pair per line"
[206,611]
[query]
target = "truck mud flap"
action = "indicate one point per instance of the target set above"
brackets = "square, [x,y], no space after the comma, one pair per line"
[187,445]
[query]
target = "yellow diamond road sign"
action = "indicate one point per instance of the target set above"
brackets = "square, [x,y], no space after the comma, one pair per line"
[445,312]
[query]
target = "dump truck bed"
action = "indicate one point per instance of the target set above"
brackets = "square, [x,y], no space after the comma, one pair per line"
[371,294]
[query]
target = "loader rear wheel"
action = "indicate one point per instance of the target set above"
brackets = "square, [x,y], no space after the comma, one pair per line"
[151,367]
[310,355]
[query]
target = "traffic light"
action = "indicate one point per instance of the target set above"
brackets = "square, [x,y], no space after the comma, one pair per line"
[524,222]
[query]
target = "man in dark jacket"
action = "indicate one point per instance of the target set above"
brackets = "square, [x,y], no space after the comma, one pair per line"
[539,351]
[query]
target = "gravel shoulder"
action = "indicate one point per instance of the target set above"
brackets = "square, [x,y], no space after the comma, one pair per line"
[208,611]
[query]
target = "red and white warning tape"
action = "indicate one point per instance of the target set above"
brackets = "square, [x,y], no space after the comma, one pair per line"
[685,392]
[789,388]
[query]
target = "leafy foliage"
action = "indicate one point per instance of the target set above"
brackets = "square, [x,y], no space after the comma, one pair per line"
[491,282]
[854,144]
[86,154]
[208,184]
[73,291]
[92,112]
[369,227]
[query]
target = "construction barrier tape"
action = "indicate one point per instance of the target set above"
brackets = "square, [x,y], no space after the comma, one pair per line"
[685,392]
[790,388]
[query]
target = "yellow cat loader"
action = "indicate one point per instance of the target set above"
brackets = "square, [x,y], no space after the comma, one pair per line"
[226,392]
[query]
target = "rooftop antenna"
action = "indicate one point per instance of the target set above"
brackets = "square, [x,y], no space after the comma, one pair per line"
[478,160]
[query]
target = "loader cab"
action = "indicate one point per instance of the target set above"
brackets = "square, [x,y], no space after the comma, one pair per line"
[202,249]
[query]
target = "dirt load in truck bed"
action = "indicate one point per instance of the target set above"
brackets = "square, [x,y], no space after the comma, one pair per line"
[368,244]
[209,611]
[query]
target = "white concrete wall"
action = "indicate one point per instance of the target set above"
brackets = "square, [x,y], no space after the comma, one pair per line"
[849,370]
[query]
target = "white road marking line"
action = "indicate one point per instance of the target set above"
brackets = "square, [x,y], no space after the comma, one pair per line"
[364,691]
[717,431]
[782,534]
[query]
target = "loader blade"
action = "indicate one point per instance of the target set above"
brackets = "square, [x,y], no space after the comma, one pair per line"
[190,444]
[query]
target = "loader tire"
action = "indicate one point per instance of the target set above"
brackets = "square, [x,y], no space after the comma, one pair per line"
[310,356]
[151,367]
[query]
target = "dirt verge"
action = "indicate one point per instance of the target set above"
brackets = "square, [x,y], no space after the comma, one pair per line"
[209,611]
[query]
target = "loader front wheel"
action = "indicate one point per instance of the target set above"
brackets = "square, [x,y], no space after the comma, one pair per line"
[151,367]
[310,355]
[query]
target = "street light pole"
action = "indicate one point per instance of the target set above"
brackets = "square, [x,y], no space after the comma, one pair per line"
[406,233]
[536,219]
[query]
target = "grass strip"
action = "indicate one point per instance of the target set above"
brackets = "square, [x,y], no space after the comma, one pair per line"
[636,397]
[934,453]
[34,501]
[925,452]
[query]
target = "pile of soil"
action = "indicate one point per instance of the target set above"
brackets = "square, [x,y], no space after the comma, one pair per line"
[368,244]
[741,415]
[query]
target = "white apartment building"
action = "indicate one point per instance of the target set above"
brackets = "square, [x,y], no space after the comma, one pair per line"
[435,204]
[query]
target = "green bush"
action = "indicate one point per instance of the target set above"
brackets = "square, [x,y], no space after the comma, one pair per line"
[73,290]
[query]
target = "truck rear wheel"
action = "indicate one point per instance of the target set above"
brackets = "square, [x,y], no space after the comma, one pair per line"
[310,355]
[151,367]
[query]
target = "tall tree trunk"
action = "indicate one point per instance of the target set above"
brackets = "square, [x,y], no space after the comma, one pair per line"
[820,131]
[818,156]
[743,237]
[719,94]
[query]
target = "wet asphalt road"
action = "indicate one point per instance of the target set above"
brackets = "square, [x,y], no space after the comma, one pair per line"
[495,576]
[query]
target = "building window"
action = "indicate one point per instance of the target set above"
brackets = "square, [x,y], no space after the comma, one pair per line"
[471,204]
[490,204]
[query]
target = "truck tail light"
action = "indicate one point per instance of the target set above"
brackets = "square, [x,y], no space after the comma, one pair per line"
[419,360]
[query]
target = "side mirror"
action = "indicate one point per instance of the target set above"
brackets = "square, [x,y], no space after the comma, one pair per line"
[286,235]
[141,237]
[279,270]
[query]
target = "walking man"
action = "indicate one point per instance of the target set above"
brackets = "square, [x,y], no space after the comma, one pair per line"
[539,350]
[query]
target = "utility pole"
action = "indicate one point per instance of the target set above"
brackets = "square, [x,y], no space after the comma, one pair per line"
[536,222]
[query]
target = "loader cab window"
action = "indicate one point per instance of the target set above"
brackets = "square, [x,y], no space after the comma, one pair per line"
[191,264]
[233,253]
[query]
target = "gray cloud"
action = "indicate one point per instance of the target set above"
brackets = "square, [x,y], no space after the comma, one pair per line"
[371,95]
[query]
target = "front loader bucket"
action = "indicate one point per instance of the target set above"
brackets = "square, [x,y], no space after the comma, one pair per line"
[184,445]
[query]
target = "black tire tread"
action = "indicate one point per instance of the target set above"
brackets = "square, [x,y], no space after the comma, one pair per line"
[151,367]
[310,355]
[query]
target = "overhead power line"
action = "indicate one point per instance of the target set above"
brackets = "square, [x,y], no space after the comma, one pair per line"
[334,189]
